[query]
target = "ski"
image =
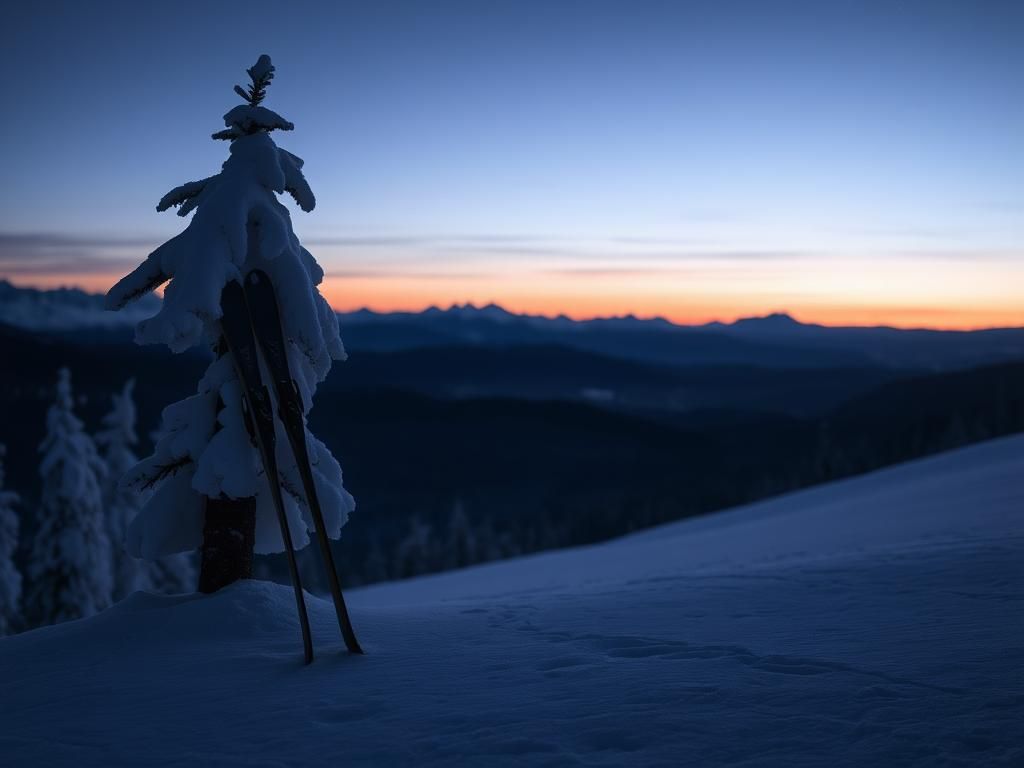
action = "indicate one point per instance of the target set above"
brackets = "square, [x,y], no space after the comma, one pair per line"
[237,330]
[266,320]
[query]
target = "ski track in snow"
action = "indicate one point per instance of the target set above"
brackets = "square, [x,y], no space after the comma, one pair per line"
[877,621]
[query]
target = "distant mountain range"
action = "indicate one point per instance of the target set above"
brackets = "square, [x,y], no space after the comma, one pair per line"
[547,432]
[774,341]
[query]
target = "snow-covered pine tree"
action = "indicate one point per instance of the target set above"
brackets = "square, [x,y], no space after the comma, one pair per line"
[69,571]
[10,579]
[121,504]
[205,464]
[168,575]
[420,551]
[461,547]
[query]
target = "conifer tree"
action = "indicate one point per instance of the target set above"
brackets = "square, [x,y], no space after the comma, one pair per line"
[10,579]
[461,547]
[116,441]
[167,575]
[69,570]
[205,466]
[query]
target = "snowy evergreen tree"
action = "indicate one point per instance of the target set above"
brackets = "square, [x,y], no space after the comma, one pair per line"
[116,441]
[206,452]
[461,549]
[168,575]
[10,579]
[415,553]
[69,571]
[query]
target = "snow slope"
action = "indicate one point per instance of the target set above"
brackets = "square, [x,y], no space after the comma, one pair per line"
[876,621]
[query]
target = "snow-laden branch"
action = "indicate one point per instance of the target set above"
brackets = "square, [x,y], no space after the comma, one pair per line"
[187,196]
[245,120]
[295,183]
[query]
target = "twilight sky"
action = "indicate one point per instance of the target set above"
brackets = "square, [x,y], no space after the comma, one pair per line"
[850,162]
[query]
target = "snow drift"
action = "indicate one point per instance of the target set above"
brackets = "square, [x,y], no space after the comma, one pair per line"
[871,621]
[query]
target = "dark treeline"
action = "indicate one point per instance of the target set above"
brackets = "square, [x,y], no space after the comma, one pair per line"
[446,482]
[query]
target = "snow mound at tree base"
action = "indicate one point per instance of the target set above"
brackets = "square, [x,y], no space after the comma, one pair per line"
[247,612]
[250,620]
[872,622]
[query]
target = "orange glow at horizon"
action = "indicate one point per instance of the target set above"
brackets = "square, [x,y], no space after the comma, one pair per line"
[958,297]
[681,309]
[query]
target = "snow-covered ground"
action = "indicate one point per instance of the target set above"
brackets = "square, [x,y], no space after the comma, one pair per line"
[876,621]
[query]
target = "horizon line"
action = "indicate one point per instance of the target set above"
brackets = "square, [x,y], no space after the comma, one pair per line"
[720,320]
[726,318]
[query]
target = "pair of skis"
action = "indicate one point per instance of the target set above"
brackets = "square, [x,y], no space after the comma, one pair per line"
[252,320]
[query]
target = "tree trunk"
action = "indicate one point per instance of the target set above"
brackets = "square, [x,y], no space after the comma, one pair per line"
[229,536]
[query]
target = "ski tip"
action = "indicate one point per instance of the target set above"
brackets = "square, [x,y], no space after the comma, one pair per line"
[356,650]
